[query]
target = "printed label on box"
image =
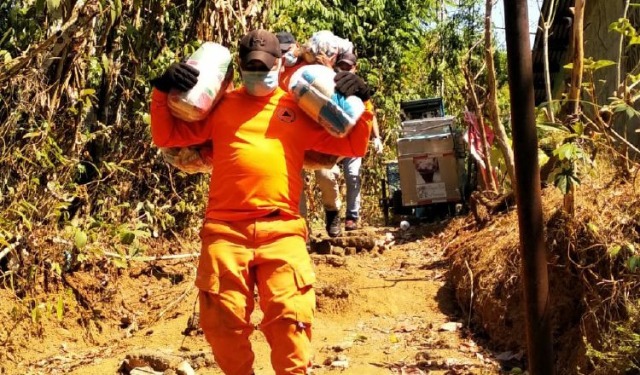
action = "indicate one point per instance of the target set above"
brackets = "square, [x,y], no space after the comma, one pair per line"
[432,191]
[429,184]
[427,169]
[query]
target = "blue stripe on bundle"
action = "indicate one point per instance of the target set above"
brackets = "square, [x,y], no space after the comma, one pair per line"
[342,102]
[332,114]
[308,76]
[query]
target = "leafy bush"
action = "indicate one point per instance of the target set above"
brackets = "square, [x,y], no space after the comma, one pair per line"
[79,174]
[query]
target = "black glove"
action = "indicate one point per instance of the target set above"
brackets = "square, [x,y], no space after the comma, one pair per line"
[349,84]
[179,76]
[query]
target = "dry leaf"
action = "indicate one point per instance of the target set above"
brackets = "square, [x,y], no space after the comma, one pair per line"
[451,326]
[411,370]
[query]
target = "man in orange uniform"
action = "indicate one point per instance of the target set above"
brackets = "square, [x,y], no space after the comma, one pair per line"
[253,235]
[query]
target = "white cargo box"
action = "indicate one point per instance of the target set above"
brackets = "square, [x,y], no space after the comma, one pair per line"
[427,126]
[426,144]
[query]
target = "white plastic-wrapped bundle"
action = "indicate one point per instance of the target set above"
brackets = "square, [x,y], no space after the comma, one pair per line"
[313,88]
[191,160]
[325,43]
[213,61]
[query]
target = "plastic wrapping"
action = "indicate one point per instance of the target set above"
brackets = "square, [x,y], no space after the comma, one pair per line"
[213,61]
[313,89]
[324,42]
[191,160]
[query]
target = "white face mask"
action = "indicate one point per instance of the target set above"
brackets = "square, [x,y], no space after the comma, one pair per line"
[260,83]
[290,59]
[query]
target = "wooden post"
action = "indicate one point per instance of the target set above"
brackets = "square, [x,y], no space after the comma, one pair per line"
[528,196]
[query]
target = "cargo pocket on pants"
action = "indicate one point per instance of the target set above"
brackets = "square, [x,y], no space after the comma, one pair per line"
[305,301]
[209,282]
[222,308]
[208,297]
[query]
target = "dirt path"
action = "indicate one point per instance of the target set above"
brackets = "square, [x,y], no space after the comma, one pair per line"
[378,313]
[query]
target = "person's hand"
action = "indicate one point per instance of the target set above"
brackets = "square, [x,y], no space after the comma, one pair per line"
[178,76]
[377,145]
[348,84]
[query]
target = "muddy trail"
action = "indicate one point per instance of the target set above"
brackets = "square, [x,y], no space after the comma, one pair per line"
[390,310]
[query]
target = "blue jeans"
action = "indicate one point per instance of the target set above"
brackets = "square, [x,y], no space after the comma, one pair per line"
[327,180]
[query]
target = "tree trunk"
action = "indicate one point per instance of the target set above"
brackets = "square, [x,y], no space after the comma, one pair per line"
[441,17]
[576,83]
[546,25]
[620,89]
[578,58]
[492,98]
[490,182]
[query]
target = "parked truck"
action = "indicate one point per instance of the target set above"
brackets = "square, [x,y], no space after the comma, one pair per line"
[428,176]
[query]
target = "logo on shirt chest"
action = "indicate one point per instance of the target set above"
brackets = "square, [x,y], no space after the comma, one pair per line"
[286,114]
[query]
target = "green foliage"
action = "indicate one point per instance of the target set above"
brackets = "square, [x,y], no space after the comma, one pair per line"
[571,150]
[612,334]
[442,53]
[624,27]
[629,254]
[79,175]
[572,145]
[572,158]
[53,307]
[590,65]
[619,351]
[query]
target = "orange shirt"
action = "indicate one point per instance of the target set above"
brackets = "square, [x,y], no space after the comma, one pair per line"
[368,106]
[258,149]
[285,77]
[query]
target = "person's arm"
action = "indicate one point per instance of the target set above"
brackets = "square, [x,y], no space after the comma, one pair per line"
[169,131]
[375,131]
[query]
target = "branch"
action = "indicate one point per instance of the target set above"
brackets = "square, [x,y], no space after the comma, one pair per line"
[615,134]
[151,258]
[473,46]
[9,248]
[81,15]
[171,305]
[577,58]
[470,292]
[621,48]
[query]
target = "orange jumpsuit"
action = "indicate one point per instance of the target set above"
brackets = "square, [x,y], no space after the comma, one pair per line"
[253,234]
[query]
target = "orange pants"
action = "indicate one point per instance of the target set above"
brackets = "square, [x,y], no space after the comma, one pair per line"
[269,253]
